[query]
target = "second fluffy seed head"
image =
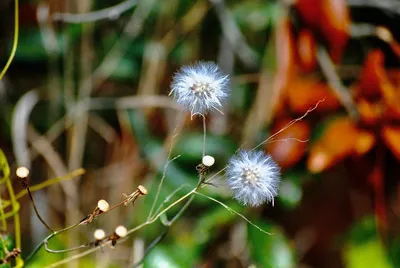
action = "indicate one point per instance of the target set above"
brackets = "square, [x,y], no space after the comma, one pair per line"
[253,178]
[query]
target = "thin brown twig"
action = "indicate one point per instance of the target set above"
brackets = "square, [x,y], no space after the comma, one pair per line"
[106,13]
[37,212]
[335,83]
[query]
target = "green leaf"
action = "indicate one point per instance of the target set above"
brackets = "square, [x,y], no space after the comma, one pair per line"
[371,252]
[270,250]
[256,16]
[126,69]
[364,247]
[290,193]
[171,256]
[207,226]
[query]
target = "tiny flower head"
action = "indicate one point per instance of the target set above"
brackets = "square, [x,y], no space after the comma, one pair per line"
[121,231]
[200,88]
[99,234]
[22,172]
[253,178]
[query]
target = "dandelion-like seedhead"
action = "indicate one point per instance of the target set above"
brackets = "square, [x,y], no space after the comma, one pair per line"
[253,178]
[200,88]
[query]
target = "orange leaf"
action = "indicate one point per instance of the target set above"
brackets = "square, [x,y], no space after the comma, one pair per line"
[285,50]
[335,25]
[337,142]
[309,11]
[364,143]
[306,47]
[372,74]
[285,150]
[303,93]
[374,81]
[286,58]
[391,137]
[370,112]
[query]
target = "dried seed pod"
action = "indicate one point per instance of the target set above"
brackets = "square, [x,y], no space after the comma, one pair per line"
[11,256]
[208,161]
[22,172]
[102,206]
[140,190]
[99,234]
[119,232]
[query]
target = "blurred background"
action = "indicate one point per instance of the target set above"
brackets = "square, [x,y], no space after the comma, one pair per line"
[88,89]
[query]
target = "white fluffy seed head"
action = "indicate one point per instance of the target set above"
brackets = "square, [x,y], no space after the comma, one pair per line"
[103,205]
[22,172]
[208,160]
[253,178]
[99,234]
[121,231]
[200,87]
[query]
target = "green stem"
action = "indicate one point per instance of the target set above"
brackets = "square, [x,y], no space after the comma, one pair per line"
[15,42]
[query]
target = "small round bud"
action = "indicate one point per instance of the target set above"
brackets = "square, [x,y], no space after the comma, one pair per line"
[22,172]
[208,160]
[384,34]
[121,231]
[103,205]
[99,234]
[142,190]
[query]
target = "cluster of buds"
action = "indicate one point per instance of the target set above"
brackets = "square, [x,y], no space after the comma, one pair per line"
[140,191]
[102,206]
[207,162]
[101,237]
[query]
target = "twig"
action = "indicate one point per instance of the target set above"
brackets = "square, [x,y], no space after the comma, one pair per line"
[74,257]
[134,102]
[19,124]
[392,6]
[232,32]
[37,211]
[108,13]
[335,83]
[289,125]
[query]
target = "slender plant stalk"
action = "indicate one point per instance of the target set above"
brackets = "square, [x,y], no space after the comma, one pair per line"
[46,240]
[37,211]
[15,42]
[233,211]
[17,223]
[185,206]
[2,217]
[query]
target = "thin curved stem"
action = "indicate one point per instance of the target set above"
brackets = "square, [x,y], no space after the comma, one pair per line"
[15,42]
[37,211]
[151,246]
[17,222]
[204,135]
[233,211]
[47,239]
[46,245]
